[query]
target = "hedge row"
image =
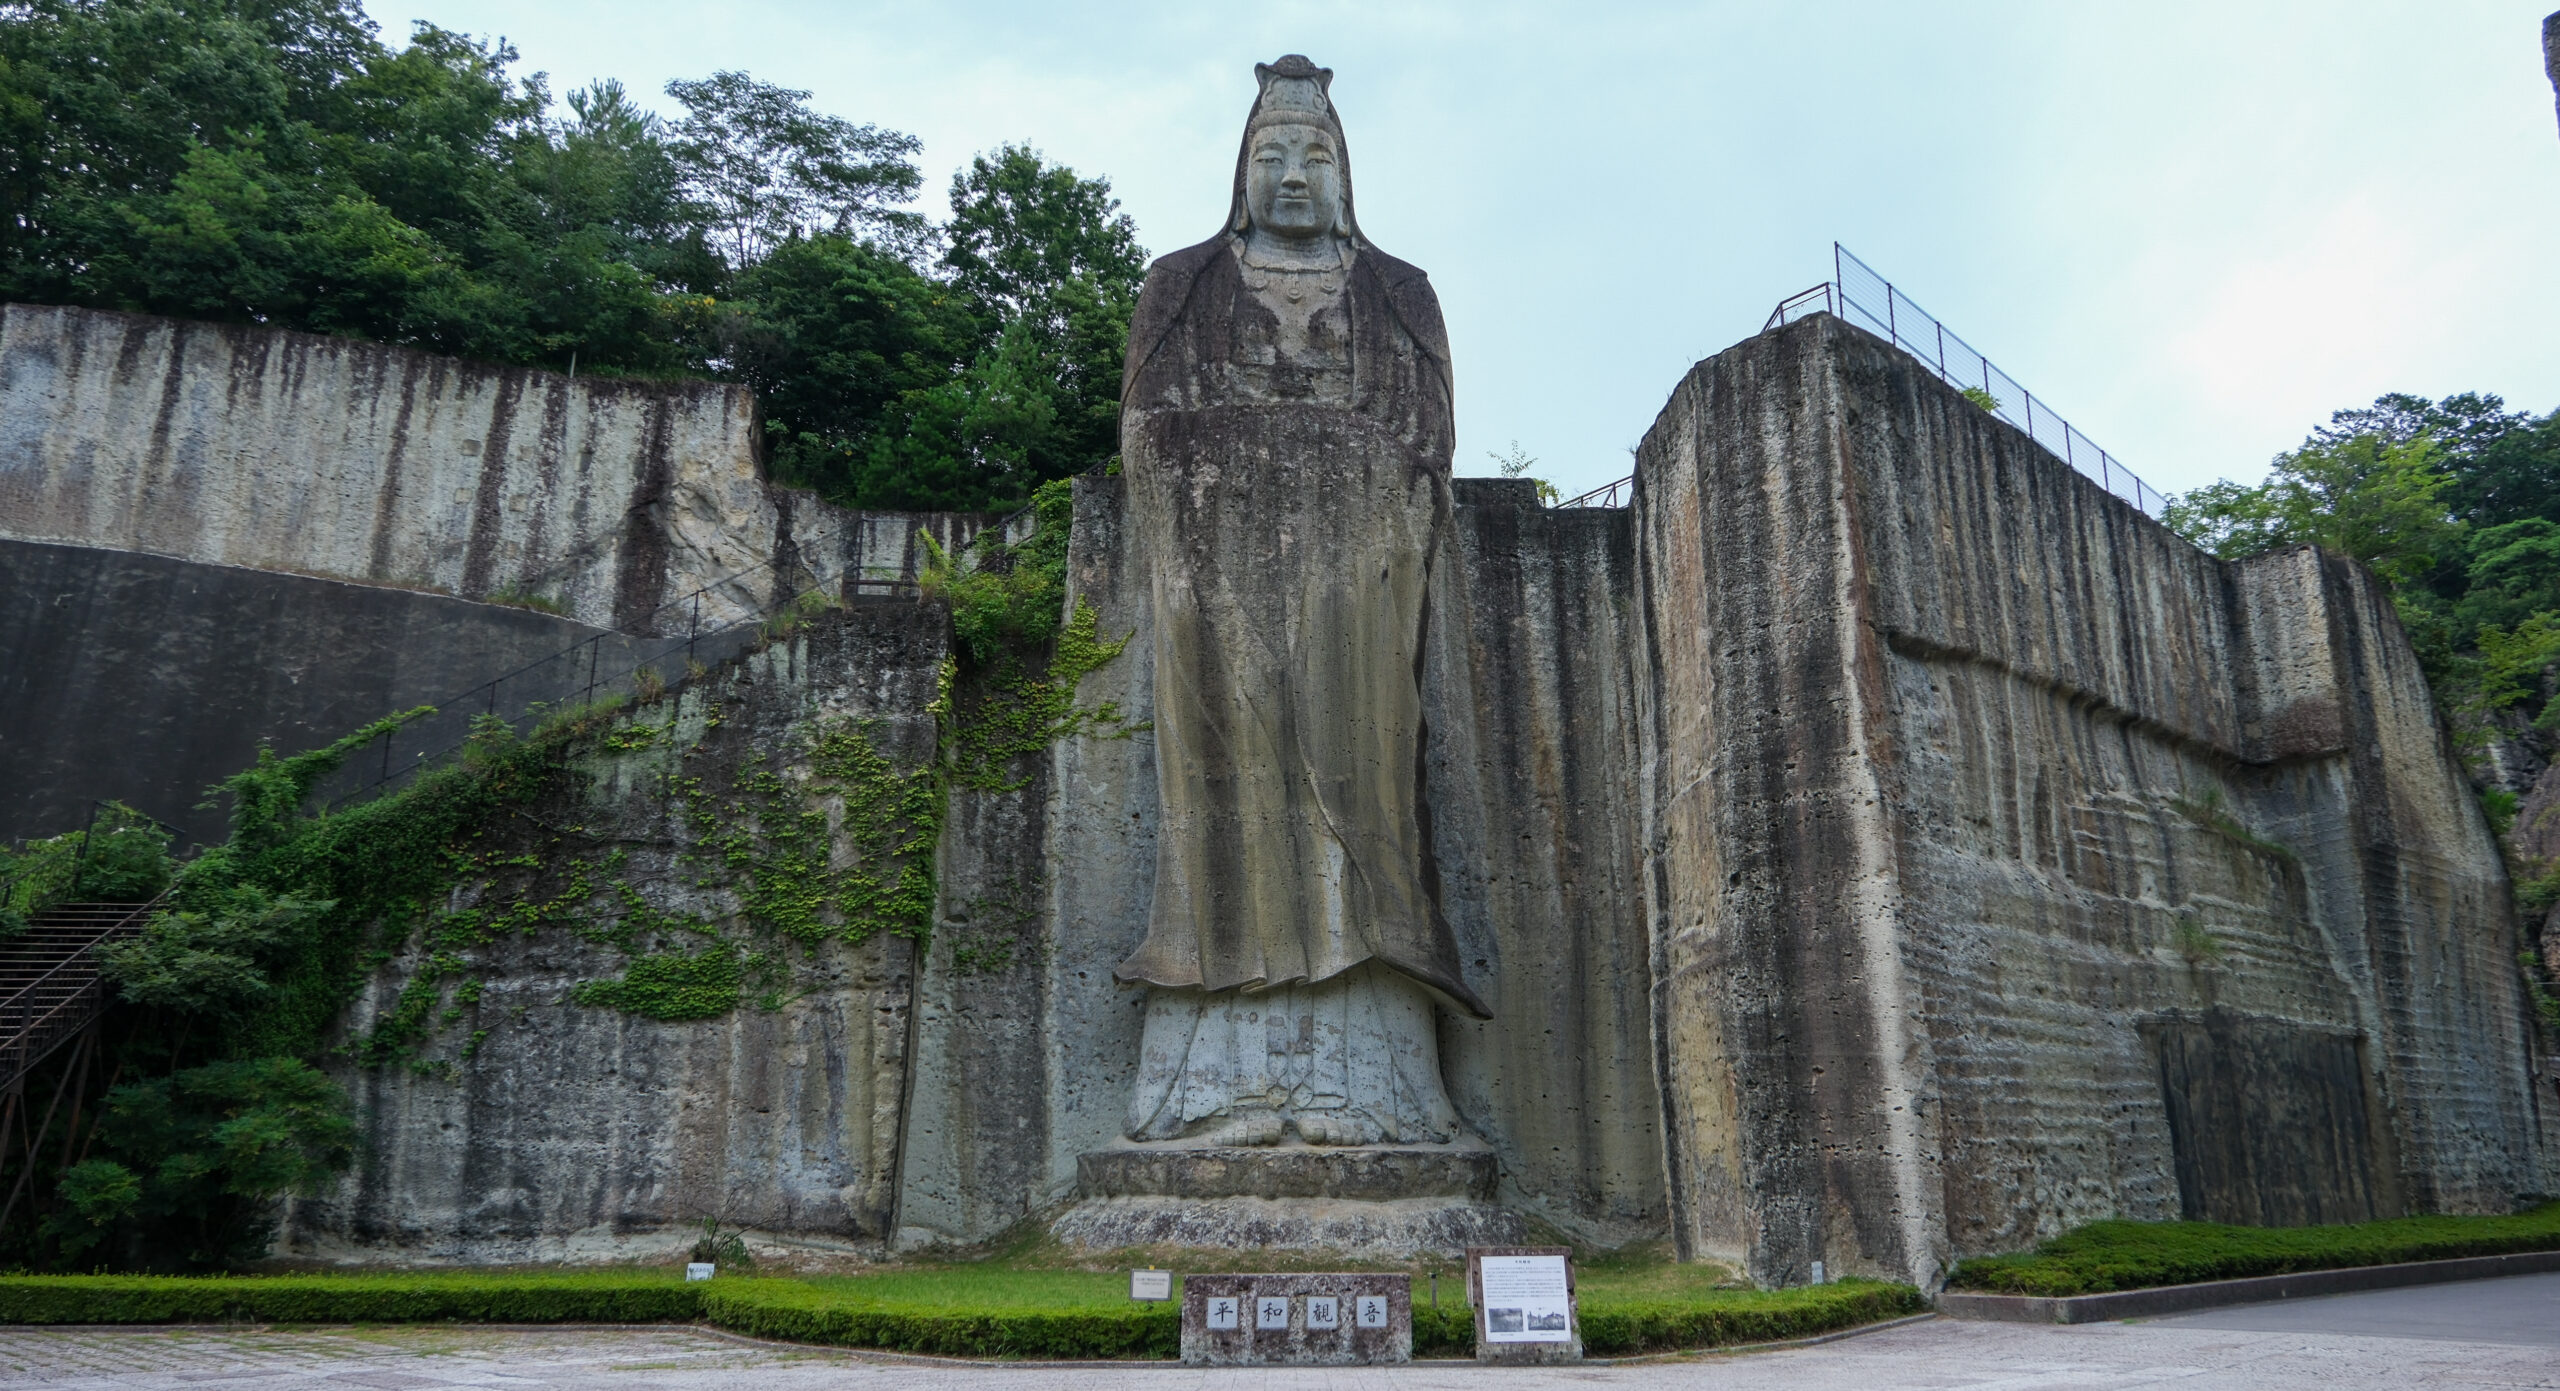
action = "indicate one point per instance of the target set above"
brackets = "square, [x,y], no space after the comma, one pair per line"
[1622,1330]
[1612,1329]
[789,1310]
[597,1298]
[2140,1255]
[798,1313]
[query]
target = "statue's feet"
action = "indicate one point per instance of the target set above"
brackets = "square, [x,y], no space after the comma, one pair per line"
[1347,1125]
[1245,1125]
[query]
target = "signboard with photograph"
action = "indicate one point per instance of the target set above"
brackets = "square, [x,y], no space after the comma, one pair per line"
[1523,1298]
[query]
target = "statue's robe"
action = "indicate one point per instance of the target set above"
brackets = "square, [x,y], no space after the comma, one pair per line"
[1288,473]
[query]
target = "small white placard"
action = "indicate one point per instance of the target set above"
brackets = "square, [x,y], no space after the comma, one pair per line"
[699,1270]
[1270,1311]
[1222,1310]
[1324,1312]
[1372,1310]
[1151,1284]
[1526,1299]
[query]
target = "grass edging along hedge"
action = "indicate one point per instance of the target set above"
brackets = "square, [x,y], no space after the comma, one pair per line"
[792,1311]
[2107,1256]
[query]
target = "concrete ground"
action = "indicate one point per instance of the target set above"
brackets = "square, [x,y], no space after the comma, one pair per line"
[2489,1333]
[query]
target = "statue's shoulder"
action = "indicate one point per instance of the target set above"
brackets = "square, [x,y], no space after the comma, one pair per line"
[1410,296]
[1162,299]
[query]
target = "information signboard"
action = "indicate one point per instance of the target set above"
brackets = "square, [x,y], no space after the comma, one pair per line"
[1523,1298]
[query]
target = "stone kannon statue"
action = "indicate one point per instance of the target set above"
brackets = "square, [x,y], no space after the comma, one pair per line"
[1286,434]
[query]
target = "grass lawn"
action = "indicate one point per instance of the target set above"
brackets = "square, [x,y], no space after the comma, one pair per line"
[2139,1255]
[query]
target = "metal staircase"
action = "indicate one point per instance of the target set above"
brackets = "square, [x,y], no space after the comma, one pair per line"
[49,984]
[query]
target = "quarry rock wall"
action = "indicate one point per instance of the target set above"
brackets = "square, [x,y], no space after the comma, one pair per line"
[1530,779]
[2016,864]
[1878,845]
[214,537]
[510,1115]
[605,498]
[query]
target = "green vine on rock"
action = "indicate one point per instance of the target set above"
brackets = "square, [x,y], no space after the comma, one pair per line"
[673,987]
[822,838]
[1014,710]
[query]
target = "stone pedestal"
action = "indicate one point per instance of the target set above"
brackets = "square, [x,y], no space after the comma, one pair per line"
[1383,1201]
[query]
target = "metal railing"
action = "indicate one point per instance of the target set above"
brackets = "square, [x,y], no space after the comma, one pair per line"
[602,663]
[1862,297]
[1617,494]
[49,1009]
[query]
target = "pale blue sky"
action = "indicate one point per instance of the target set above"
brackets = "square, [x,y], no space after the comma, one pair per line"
[2193,228]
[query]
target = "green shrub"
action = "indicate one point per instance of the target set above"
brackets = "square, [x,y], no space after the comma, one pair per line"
[800,1313]
[1745,1316]
[2139,1255]
[597,1297]
[192,1162]
[1725,1318]
[835,1312]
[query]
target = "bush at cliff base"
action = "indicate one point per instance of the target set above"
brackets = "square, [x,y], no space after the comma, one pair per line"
[2107,1256]
[794,1311]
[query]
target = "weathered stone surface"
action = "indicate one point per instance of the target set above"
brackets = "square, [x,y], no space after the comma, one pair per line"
[290,451]
[1349,1342]
[1286,432]
[1366,1172]
[1959,772]
[537,1128]
[976,1137]
[1529,689]
[1355,1229]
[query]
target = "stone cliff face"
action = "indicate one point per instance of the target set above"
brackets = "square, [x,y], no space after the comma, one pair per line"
[2015,864]
[268,450]
[217,537]
[1877,845]
[513,1113]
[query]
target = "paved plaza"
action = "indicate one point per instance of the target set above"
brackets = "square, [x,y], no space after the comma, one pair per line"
[2490,1333]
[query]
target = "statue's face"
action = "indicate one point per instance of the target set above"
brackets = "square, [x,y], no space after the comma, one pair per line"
[1293,187]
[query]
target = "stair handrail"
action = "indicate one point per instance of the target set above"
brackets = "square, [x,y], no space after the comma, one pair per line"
[22,1001]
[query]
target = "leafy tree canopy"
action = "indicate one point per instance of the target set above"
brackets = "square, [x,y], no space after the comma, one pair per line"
[274,162]
[2454,503]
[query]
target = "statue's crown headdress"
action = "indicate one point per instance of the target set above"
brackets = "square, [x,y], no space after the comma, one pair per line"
[1294,93]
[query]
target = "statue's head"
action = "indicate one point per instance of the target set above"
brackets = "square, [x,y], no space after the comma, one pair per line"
[1293,177]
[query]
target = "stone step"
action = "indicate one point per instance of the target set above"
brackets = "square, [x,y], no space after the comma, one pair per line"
[1373,1173]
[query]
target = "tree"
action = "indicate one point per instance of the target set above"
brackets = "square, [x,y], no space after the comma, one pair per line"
[1023,229]
[841,340]
[195,1160]
[2369,496]
[769,169]
[1047,256]
[273,162]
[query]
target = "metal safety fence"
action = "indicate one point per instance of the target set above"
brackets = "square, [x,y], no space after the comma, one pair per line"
[1856,293]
